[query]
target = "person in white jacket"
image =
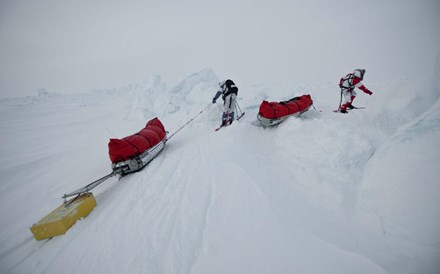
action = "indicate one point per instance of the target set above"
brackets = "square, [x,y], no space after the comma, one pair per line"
[229,92]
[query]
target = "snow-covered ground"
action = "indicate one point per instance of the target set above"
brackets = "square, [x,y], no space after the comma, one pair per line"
[322,193]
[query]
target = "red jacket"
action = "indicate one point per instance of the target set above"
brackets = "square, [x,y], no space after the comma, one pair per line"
[350,81]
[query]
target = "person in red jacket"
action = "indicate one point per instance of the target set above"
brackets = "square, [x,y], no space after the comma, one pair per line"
[347,85]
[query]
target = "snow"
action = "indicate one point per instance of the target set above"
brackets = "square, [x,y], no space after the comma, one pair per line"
[320,193]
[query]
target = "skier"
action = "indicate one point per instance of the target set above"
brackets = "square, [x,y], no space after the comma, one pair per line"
[347,85]
[229,91]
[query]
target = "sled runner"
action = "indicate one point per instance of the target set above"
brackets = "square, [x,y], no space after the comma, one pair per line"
[273,113]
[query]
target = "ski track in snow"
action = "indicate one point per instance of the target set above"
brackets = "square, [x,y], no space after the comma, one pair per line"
[319,193]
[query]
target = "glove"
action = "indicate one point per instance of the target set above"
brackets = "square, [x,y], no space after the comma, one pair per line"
[368,92]
[213,100]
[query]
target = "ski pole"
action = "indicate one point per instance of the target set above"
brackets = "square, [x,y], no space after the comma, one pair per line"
[188,122]
[219,107]
[340,101]
[239,107]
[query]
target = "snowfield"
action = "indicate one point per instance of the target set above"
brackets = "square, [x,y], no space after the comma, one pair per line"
[321,193]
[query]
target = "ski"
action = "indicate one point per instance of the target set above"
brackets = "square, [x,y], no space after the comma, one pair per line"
[338,110]
[238,118]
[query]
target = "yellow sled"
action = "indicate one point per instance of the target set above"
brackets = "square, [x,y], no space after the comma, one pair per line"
[65,216]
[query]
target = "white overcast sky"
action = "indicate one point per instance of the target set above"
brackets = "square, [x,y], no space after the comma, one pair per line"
[76,46]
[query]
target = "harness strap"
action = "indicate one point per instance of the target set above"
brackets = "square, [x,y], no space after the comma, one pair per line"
[347,79]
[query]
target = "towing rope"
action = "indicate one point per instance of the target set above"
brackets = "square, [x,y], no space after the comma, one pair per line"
[188,122]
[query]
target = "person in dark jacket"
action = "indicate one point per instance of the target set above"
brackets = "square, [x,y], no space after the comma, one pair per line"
[348,84]
[228,90]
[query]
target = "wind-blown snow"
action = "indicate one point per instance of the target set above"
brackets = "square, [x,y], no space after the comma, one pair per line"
[321,193]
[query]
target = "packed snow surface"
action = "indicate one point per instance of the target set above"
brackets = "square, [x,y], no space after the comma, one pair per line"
[320,193]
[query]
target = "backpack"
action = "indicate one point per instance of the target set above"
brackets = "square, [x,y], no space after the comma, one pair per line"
[347,81]
[229,87]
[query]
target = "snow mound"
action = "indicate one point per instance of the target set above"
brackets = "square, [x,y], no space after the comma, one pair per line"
[401,185]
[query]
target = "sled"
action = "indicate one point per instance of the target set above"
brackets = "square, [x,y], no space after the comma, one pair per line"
[139,161]
[63,217]
[274,113]
[272,122]
[129,154]
[132,153]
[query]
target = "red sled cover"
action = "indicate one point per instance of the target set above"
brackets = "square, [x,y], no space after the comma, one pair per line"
[133,145]
[274,110]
